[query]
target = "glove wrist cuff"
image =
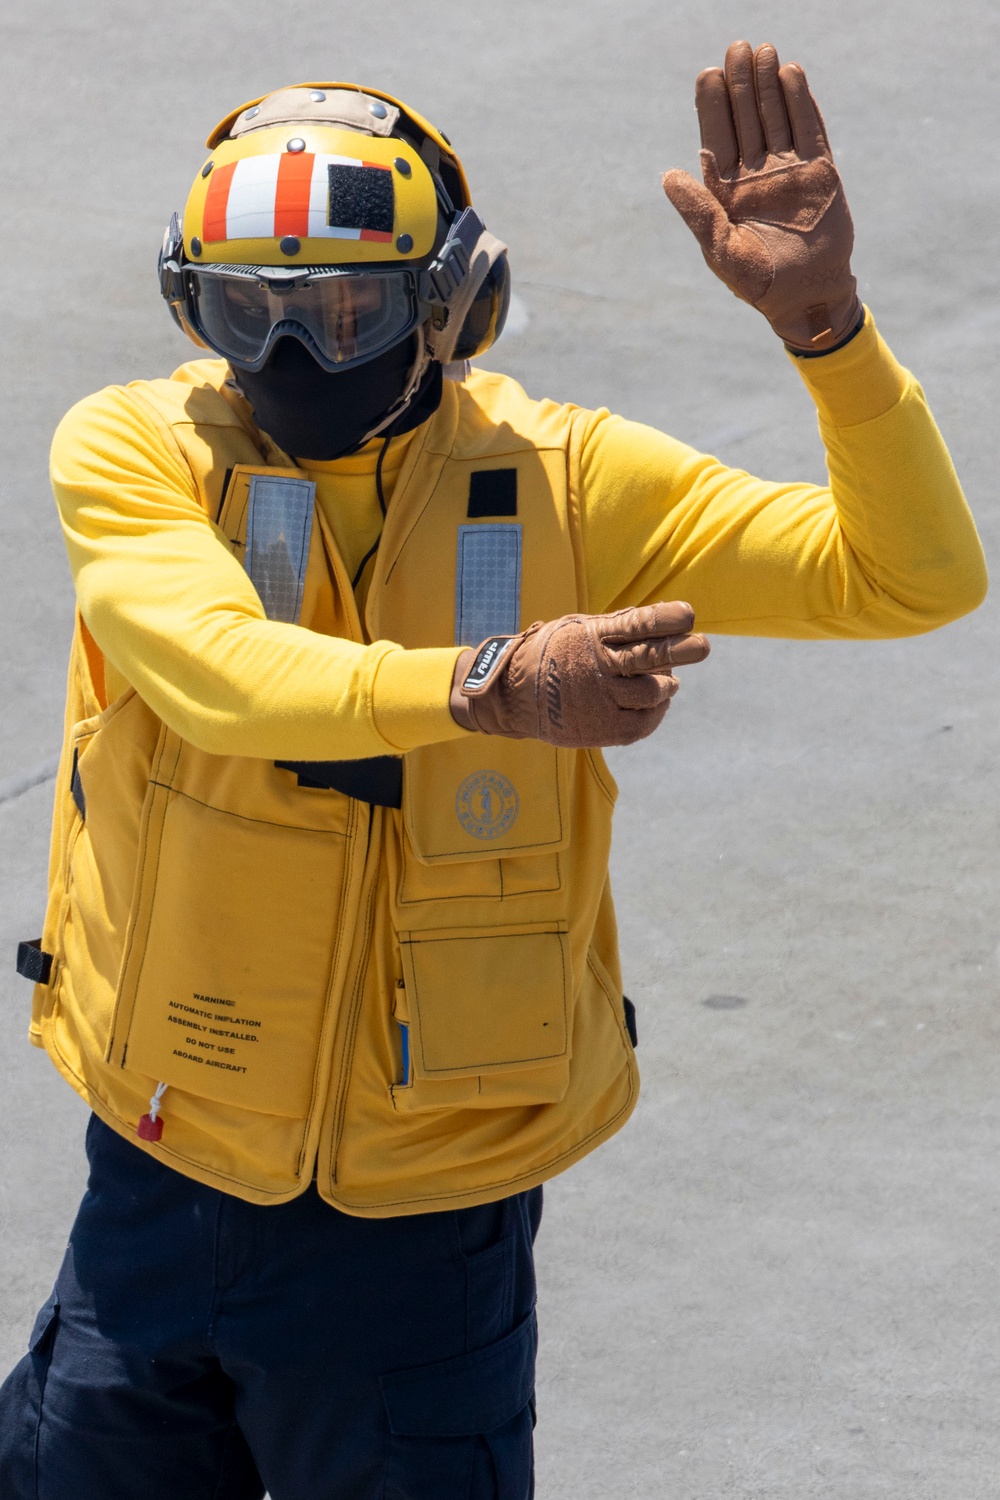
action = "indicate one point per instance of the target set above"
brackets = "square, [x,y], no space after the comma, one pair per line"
[854,325]
[458,703]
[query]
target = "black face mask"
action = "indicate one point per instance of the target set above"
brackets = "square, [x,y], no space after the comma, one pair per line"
[321,414]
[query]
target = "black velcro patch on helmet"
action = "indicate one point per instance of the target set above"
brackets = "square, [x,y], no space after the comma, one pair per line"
[492,492]
[361,198]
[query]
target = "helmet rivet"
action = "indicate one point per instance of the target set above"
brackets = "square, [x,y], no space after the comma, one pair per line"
[252,112]
[378,110]
[207,168]
[317,96]
[296,144]
[403,166]
[289,245]
[405,243]
[195,245]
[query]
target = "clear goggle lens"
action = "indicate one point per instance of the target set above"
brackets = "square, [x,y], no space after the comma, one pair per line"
[349,317]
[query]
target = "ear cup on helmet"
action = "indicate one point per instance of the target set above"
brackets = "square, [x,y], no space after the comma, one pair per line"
[485,319]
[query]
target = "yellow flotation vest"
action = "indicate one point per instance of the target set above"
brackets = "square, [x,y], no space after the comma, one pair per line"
[420,1004]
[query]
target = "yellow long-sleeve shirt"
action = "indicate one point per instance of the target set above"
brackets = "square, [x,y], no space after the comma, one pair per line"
[889,548]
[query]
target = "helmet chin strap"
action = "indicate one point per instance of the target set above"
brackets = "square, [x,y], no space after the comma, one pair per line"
[439,344]
[417,372]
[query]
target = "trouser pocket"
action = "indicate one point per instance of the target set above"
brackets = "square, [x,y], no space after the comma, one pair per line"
[461,1429]
[21,1398]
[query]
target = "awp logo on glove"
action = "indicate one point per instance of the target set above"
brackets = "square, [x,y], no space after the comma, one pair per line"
[486,804]
[488,658]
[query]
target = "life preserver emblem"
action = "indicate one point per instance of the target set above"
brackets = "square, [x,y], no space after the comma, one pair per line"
[486,804]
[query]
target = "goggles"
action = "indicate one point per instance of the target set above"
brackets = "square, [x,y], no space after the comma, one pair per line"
[343,317]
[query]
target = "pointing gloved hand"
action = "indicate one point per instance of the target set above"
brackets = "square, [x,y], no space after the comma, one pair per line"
[772,220]
[580,681]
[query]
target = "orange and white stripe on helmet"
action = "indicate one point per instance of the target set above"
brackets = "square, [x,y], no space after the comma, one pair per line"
[317,196]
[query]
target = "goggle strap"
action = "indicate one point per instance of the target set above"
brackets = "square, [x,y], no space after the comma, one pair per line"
[169,266]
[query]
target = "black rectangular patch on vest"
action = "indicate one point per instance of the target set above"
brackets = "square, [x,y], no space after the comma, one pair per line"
[492,492]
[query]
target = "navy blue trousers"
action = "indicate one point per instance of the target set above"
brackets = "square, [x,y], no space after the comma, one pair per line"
[197,1347]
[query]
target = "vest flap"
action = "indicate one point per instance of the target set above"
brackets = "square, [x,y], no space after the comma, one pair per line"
[479,543]
[487,999]
[446,578]
[268,517]
[480,798]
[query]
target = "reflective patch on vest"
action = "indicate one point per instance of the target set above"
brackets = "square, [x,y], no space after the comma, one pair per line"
[279,525]
[487,583]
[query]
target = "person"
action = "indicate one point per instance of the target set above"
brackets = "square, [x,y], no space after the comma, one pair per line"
[330,949]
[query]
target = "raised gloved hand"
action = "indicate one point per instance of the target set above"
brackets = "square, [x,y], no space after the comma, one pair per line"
[579,681]
[772,220]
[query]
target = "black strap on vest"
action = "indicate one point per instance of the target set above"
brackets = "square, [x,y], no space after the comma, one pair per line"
[630,1026]
[377,780]
[76,785]
[33,962]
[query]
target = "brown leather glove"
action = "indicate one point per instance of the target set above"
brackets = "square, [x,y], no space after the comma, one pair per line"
[580,681]
[772,220]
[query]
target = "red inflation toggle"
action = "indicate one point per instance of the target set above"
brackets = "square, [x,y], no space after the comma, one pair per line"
[150,1129]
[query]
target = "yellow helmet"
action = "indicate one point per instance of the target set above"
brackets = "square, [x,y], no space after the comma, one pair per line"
[326,207]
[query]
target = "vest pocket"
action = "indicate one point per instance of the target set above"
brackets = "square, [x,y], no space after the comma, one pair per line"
[486,1013]
[228,958]
[103,783]
[477,799]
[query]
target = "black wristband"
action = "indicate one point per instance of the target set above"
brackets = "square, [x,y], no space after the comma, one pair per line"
[821,353]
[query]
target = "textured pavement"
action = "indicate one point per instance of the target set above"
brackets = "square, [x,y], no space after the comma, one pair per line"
[780,1280]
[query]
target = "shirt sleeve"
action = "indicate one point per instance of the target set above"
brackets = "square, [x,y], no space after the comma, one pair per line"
[887,548]
[176,615]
